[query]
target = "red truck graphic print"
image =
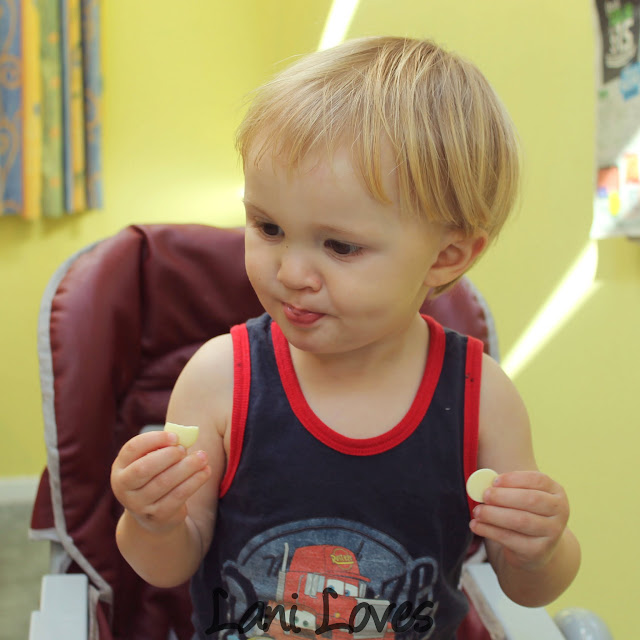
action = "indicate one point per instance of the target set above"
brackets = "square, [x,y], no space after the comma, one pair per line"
[322,593]
[320,579]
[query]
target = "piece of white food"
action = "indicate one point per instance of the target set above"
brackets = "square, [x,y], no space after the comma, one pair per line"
[478,482]
[186,435]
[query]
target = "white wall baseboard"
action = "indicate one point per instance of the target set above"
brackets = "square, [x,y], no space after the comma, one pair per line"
[18,489]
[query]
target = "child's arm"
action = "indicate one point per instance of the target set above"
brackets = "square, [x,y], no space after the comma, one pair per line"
[170,496]
[525,513]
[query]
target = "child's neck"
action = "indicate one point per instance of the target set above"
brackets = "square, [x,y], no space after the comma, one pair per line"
[395,352]
[371,388]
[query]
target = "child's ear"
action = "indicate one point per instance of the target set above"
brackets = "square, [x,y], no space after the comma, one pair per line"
[457,255]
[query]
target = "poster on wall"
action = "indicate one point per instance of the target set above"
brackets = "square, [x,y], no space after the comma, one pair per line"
[616,210]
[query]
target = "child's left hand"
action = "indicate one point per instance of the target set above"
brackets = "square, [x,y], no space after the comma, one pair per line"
[526,513]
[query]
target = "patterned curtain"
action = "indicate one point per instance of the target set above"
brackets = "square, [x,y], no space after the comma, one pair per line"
[50,115]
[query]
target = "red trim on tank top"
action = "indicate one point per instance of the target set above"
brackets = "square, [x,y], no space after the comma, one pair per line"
[241,386]
[473,378]
[362,446]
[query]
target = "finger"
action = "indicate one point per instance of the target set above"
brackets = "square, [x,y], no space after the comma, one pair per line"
[521,522]
[144,443]
[512,540]
[143,470]
[173,502]
[527,480]
[172,477]
[528,549]
[529,500]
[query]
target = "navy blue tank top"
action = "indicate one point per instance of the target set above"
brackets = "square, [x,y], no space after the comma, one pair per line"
[322,535]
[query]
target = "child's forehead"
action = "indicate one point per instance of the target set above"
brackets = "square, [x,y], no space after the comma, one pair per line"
[325,161]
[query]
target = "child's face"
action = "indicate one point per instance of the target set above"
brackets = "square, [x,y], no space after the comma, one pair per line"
[336,269]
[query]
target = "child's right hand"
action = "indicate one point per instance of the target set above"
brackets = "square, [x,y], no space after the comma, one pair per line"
[152,478]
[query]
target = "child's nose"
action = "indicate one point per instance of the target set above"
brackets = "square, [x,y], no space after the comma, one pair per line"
[296,270]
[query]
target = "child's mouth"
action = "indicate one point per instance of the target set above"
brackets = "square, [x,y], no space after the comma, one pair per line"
[301,317]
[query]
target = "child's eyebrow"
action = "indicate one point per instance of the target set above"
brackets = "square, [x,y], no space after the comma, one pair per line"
[324,228]
[339,231]
[248,203]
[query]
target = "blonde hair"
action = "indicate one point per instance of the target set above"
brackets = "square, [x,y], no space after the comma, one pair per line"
[454,146]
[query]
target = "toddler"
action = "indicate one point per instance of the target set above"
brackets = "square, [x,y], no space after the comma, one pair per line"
[325,495]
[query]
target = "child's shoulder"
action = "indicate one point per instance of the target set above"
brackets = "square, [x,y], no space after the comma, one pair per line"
[505,442]
[213,358]
[203,392]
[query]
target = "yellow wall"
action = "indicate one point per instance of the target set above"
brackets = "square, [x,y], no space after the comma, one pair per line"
[174,82]
[582,388]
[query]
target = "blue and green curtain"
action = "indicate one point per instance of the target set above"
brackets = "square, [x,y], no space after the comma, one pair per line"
[50,107]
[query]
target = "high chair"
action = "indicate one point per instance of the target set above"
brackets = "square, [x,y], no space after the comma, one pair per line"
[118,322]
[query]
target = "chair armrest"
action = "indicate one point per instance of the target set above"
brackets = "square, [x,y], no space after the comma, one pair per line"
[504,619]
[64,609]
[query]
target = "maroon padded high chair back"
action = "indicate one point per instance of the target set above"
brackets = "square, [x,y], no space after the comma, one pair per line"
[118,322]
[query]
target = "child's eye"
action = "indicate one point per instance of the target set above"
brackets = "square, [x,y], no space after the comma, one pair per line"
[343,248]
[269,229]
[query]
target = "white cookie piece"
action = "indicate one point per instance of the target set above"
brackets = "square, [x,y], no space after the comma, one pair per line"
[186,435]
[479,481]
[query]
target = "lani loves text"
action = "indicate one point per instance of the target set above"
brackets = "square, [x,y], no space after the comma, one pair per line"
[262,615]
